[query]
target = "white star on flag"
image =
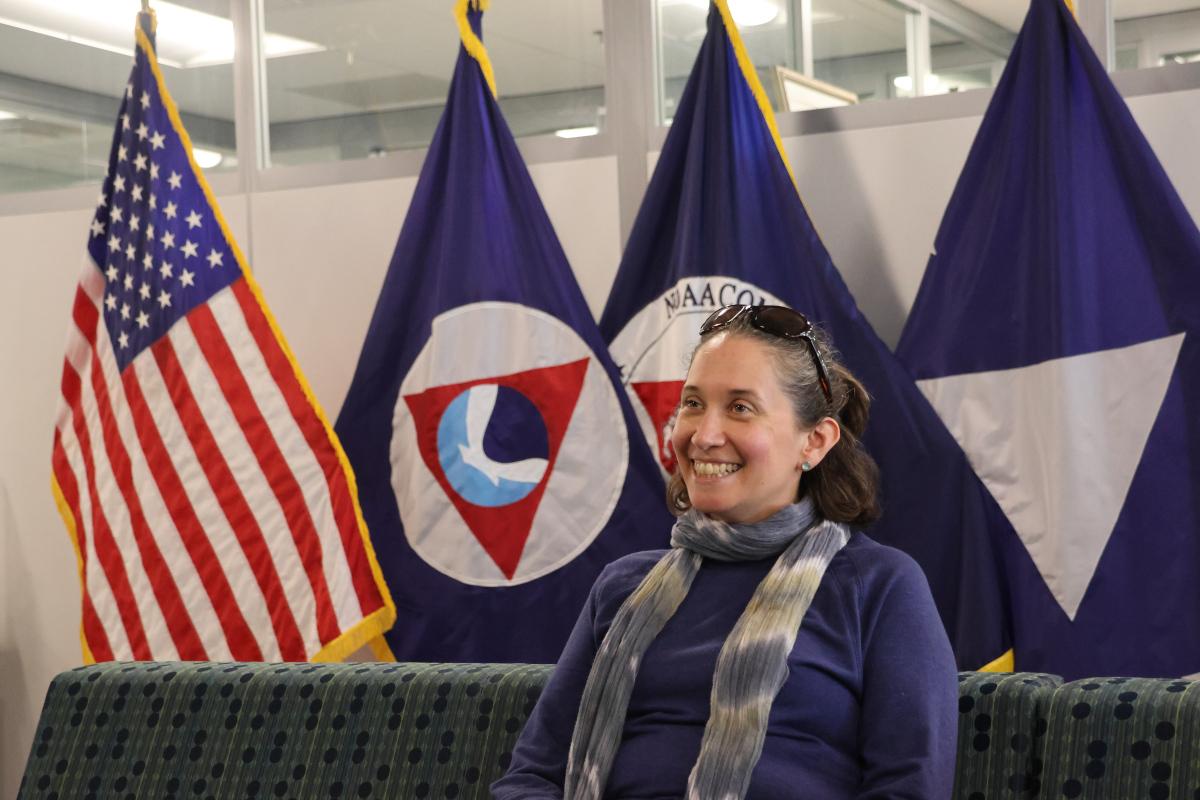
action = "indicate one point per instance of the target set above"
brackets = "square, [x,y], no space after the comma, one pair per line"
[193,219]
[176,180]
[153,201]
[128,282]
[130,251]
[164,299]
[140,162]
[214,259]
[122,153]
[123,340]
[165,270]
[170,210]
[142,131]
[124,310]
[118,184]
[125,121]
[145,99]
[143,320]
[135,222]
[97,228]
[144,291]
[156,141]
[110,302]
[168,240]
[189,249]
[150,231]
[117,214]
[114,244]
[136,192]
[147,261]
[111,273]
[153,171]
[186,277]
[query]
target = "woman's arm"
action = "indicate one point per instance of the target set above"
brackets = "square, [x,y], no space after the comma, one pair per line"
[909,722]
[539,761]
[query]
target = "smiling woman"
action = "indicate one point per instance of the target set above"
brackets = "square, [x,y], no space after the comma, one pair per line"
[773,651]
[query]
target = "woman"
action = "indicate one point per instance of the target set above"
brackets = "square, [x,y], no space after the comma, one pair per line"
[772,652]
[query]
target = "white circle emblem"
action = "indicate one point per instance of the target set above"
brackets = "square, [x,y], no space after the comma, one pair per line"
[505,462]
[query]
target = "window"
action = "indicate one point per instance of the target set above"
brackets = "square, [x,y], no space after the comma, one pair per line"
[375,76]
[63,69]
[861,50]
[1153,33]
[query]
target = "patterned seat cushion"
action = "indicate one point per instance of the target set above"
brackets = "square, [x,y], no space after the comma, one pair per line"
[1124,738]
[279,730]
[1001,727]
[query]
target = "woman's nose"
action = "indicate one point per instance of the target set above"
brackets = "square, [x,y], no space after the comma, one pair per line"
[709,431]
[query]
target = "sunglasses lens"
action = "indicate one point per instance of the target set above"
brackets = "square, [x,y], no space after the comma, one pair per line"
[720,317]
[782,321]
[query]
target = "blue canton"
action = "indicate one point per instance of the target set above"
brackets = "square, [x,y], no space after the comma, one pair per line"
[154,236]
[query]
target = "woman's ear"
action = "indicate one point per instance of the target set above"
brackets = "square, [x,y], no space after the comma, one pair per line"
[820,440]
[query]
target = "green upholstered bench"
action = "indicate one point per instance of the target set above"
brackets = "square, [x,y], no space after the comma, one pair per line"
[447,730]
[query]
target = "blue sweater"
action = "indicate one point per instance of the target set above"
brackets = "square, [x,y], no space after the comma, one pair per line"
[868,711]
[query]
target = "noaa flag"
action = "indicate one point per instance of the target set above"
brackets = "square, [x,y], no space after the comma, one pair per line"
[722,223]
[1055,334]
[485,421]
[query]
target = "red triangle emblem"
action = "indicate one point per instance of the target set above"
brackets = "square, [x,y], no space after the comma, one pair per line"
[502,531]
[660,399]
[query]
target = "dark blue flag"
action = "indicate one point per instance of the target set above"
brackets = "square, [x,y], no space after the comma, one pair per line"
[485,420]
[1051,333]
[722,223]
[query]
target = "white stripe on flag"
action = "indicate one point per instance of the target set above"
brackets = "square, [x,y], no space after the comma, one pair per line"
[158,519]
[98,587]
[158,636]
[208,510]
[300,457]
[255,488]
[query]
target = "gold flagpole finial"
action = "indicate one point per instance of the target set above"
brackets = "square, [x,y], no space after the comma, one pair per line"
[145,6]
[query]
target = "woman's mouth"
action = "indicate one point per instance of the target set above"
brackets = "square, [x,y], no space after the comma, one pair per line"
[714,469]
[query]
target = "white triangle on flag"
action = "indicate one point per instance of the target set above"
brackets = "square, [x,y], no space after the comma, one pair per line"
[1057,445]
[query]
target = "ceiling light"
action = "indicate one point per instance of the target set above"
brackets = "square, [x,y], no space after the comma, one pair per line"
[7,115]
[185,37]
[576,133]
[206,159]
[746,13]
[752,13]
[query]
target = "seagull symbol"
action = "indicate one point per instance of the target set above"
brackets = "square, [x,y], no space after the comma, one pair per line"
[481,402]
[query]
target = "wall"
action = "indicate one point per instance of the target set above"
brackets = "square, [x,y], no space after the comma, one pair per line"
[876,196]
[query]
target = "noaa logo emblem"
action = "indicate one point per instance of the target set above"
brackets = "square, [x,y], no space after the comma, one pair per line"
[506,414]
[653,347]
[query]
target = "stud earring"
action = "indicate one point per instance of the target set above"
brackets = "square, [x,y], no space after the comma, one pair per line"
[805,467]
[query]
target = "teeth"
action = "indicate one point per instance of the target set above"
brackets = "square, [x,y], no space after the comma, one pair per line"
[711,470]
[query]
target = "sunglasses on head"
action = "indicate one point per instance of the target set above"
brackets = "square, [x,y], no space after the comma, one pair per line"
[778,321]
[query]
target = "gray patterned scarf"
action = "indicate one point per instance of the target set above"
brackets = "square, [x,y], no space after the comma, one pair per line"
[752,664]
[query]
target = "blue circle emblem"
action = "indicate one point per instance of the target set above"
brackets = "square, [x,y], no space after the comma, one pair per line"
[492,445]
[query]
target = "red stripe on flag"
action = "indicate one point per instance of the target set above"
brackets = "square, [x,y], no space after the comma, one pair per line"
[281,369]
[240,639]
[233,502]
[86,316]
[93,630]
[104,545]
[162,582]
[274,465]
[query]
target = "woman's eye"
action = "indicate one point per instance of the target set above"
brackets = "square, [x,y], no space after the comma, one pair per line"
[741,408]
[690,402]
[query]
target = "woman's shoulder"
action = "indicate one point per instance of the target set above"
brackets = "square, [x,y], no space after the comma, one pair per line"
[874,565]
[630,567]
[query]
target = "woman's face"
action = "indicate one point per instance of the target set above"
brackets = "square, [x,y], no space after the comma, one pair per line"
[737,440]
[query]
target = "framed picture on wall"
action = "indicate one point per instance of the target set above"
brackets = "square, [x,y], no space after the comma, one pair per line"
[799,92]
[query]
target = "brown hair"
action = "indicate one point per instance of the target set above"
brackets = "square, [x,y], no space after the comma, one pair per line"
[844,487]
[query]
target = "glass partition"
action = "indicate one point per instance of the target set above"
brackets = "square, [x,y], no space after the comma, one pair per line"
[375,80]
[63,69]
[1154,33]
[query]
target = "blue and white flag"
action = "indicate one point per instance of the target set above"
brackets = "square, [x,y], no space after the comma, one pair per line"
[1055,334]
[485,420]
[722,223]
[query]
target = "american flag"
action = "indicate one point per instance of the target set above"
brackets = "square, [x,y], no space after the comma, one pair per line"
[213,512]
